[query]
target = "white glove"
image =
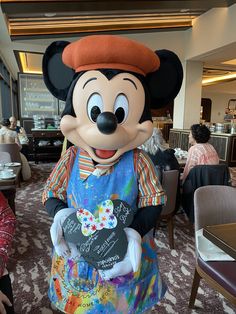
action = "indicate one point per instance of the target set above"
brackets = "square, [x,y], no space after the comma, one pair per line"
[132,259]
[62,248]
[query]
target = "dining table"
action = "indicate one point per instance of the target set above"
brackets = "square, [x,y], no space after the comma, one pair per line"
[8,185]
[224,236]
[182,161]
[13,181]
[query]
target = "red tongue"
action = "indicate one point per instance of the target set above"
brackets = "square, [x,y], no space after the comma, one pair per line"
[104,153]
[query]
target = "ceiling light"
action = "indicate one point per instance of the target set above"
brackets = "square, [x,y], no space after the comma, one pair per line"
[50,14]
[219,79]
[231,62]
[24,64]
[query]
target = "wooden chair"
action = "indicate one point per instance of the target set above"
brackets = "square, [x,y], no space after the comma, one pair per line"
[170,181]
[215,205]
[13,150]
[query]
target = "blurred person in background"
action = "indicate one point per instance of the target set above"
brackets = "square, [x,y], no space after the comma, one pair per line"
[21,135]
[13,125]
[9,136]
[162,157]
[201,152]
[228,115]
[7,229]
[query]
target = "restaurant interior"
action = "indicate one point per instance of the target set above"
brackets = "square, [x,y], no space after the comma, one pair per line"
[196,255]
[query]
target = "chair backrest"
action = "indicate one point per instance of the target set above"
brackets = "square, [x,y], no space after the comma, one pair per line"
[5,157]
[214,204]
[202,175]
[170,180]
[13,150]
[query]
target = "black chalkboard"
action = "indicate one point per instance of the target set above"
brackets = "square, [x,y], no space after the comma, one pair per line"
[100,240]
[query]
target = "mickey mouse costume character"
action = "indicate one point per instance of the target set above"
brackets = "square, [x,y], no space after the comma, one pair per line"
[109,84]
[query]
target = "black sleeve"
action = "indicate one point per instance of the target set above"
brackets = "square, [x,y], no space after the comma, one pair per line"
[146,219]
[53,205]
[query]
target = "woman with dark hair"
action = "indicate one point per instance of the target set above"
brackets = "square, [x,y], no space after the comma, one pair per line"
[201,152]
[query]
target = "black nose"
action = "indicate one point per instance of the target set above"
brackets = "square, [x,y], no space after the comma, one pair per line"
[107,122]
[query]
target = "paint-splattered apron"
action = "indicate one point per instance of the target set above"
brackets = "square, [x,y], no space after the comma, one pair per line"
[75,287]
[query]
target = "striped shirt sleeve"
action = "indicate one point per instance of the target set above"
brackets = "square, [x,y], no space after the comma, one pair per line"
[150,189]
[56,184]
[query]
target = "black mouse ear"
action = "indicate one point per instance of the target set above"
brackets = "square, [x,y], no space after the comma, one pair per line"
[165,83]
[57,76]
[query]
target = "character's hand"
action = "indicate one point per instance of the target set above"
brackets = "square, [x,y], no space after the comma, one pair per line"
[132,259]
[4,299]
[62,248]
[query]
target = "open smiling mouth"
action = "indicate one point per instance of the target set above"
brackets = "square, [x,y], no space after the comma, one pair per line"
[104,153]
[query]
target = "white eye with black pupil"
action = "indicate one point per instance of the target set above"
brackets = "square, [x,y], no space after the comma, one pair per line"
[121,108]
[94,106]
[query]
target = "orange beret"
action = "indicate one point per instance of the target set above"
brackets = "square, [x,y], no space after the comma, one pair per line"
[110,52]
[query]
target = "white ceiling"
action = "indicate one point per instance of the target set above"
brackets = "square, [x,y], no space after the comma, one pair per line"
[225,88]
[7,47]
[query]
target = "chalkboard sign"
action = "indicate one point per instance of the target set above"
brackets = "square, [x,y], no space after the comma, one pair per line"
[100,240]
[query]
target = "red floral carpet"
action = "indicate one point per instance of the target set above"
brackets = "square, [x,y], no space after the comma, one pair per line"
[29,264]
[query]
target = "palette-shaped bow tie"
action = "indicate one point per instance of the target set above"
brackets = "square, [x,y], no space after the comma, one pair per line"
[106,219]
[100,240]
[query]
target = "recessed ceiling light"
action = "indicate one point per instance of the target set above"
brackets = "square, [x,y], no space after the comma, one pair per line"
[219,79]
[184,10]
[50,14]
[230,62]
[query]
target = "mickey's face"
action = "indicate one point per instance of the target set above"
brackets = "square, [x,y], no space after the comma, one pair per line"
[107,115]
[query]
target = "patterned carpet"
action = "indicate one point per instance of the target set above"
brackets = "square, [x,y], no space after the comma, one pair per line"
[30,260]
[232,171]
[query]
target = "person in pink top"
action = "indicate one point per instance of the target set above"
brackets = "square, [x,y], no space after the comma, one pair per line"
[201,152]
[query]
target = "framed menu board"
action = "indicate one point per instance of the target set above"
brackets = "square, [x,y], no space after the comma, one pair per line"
[35,99]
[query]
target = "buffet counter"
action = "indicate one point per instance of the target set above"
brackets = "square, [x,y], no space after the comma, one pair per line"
[47,144]
[224,143]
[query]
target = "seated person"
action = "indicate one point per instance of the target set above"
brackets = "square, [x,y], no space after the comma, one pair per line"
[162,157]
[7,229]
[201,152]
[13,125]
[7,135]
[19,130]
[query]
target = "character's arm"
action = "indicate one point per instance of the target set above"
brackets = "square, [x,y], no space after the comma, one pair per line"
[54,205]
[54,199]
[54,194]
[146,219]
[7,229]
[151,195]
